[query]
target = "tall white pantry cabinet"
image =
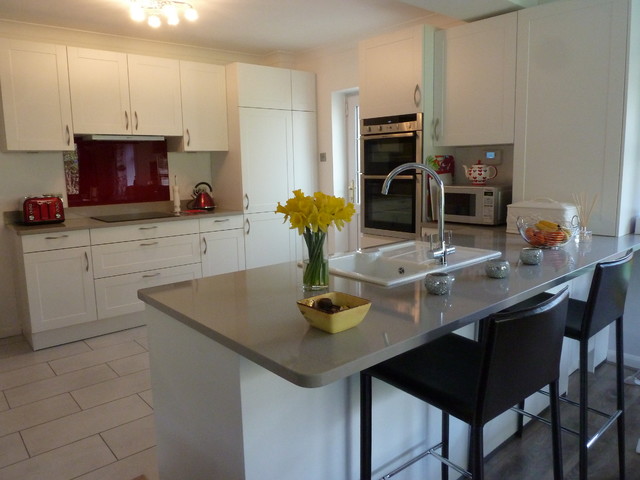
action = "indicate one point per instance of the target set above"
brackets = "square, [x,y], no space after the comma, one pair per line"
[272,150]
[577,107]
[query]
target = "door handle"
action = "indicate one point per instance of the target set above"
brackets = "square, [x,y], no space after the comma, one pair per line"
[135,116]
[206,246]
[188,138]
[246,201]
[68,130]
[352,191]
[247,229]
[148,244]
[126,120]
[86,260]
[417,95]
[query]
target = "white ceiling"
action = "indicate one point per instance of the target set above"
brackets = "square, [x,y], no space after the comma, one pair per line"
[248,26]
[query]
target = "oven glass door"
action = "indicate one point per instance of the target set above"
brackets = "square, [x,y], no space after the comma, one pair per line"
[382,153]
[398,212]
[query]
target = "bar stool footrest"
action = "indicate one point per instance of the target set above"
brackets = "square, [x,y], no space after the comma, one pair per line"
[430,451]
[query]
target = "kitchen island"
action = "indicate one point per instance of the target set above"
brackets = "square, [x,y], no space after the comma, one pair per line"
[245,389]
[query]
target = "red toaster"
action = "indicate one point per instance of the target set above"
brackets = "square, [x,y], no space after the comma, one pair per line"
[43,209]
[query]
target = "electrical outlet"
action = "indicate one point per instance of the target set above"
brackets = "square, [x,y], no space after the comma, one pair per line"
[492,157]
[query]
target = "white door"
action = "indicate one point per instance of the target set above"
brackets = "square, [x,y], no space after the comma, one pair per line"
[353,167]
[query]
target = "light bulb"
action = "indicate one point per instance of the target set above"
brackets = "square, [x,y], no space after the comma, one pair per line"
[173,20]
[154,21]
[191,14]
[169,10]
[137,12]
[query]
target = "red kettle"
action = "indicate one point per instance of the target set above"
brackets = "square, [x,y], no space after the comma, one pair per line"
[202,200]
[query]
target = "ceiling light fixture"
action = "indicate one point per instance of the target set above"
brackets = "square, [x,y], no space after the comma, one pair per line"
[153,11]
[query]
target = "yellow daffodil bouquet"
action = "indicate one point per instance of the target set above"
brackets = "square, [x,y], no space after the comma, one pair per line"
[312,216]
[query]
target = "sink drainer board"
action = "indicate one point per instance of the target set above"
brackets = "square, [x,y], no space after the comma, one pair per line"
[400,263]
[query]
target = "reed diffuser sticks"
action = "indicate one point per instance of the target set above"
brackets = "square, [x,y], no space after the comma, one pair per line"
[585,208]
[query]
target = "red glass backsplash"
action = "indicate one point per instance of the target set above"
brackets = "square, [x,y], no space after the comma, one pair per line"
[104,172]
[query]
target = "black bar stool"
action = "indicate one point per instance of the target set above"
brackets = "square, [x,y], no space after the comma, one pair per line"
[477,381]
[604,306]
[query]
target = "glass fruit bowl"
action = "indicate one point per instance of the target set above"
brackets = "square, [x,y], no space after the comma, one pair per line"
[546,234]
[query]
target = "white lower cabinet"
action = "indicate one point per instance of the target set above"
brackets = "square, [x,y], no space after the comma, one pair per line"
[222,245]
[267,240]
[60,290]
[119,295]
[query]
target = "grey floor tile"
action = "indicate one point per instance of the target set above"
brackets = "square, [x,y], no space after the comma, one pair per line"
[71,428]
[4,405]
[37,413]
[147,396]
[30,357]
[134,363]
[67,462]
[117,337]
[95,357]
[60,384]
[22,376]
[11,450]
[109,390]
[132,437]
[143,463]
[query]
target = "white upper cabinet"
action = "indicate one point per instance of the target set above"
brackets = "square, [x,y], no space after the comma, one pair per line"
[154,89]
[116,93]
[303,91]
[261,87]
[204,107]
[36,108]
[391,73]
[99,91]
[474,83]
[570,108]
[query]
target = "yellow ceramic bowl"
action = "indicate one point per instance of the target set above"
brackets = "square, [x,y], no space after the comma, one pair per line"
[339,321]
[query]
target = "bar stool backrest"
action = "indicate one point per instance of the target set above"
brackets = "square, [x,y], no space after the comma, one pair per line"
[607,295]
[521,354]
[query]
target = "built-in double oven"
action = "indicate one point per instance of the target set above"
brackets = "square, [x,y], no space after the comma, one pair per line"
[385,143]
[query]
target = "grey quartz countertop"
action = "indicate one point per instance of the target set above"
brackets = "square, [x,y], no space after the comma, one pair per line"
[85,222]
[254,312]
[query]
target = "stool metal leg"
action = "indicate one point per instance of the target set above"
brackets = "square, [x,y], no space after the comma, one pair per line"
[365,426]
[477,452]
[556,431]
[620,396]
[445,445]
[583,434]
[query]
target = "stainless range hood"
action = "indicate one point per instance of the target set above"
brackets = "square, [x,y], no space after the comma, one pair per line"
[124,138]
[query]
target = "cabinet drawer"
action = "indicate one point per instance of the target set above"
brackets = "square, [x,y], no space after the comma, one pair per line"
[55,240]
[119,295]
[141,231]
[215,224]
[141,255]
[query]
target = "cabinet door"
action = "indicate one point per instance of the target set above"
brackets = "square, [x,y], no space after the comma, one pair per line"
[204,107]
[266,145]
[119,295]
[570,104]
[222,252]
[36,107]
[154,89]
[474,83]
[260,86]
[305,152]
[267,240]
[303,91]
[60,288]
[99,83]
[391,73]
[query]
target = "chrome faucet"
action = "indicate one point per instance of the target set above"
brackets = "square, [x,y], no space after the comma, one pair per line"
[443,248]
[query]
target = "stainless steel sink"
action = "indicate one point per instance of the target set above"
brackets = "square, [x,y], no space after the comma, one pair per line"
[404,262]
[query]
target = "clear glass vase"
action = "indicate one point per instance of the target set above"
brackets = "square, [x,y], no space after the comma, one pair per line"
[315,275]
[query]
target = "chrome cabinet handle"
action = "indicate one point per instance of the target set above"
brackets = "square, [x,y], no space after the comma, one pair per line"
[148,244]
[68,130]
[417,95]
[436,123]
[221,220]
[246,201]
[126,120]
[135,116]
[148,228]
[188,138]
[248,226]
[56,238]
[86,259]
[151,275]
[206,246]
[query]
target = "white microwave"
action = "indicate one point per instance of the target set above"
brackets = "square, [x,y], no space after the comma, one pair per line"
[475,204]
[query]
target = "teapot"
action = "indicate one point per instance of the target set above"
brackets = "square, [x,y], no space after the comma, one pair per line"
[202,199]
[480,173]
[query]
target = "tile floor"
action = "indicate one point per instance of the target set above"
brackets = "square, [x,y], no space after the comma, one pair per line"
[79,411]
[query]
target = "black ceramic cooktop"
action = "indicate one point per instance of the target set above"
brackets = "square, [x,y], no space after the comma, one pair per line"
[129,217]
